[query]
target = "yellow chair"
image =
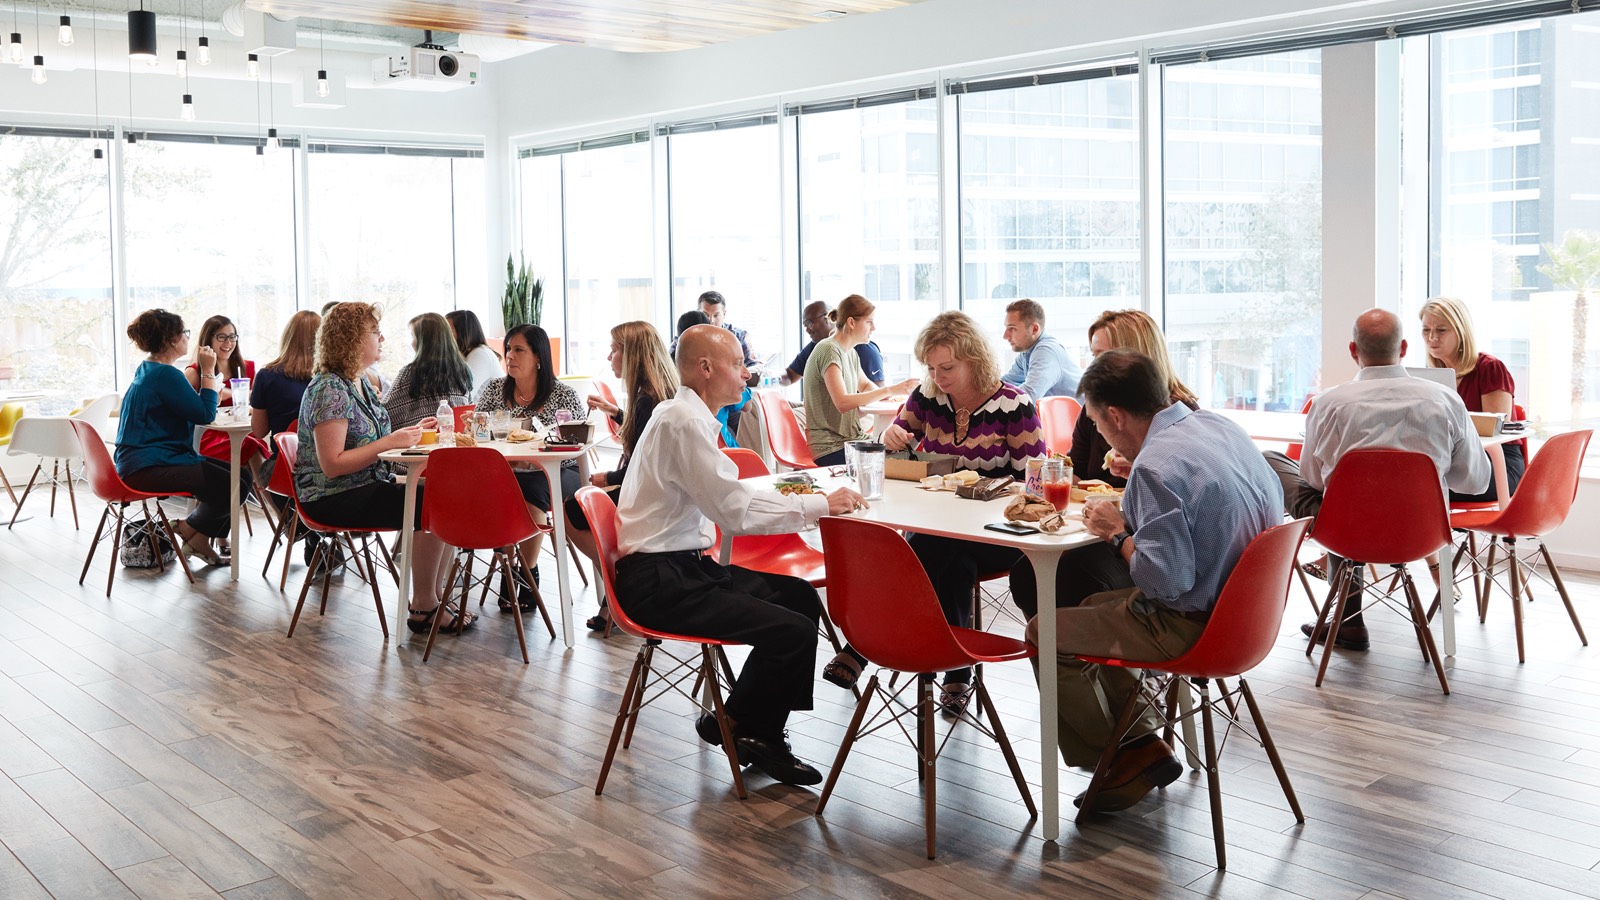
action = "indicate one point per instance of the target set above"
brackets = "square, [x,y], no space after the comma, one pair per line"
[9,414]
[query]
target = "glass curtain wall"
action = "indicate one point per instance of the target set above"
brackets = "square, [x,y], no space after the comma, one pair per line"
[609,248]
[1514,173]
[210,231]
[726,227]
[1050,203]
[541,242]
[56,328]
[385,232]
[1243,165]
[869,219]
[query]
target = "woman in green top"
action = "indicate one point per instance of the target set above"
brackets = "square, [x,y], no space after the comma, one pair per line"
[835,389]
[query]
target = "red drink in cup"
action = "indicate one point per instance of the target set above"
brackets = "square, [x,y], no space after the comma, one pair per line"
[1058,494]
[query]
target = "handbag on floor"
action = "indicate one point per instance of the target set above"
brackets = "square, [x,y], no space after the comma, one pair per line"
[136,553]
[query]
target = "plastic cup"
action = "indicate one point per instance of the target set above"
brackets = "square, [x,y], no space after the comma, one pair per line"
[1057,481]
[869,470]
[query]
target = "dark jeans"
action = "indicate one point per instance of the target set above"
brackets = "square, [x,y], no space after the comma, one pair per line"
[536,487]
[379,505]
[1516,464]
[776,615]
[1082,571]
[207,480]
[1301,500]
[953,566]
[836,458]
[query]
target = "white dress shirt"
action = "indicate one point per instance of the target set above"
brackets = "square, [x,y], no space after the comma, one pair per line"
[680,482]
[1385,407]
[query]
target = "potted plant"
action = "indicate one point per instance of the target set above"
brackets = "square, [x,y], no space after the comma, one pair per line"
[523,300]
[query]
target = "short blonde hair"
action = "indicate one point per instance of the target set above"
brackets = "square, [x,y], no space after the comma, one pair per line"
[339,340]
[1134,329]
[1456,314]
[958,332]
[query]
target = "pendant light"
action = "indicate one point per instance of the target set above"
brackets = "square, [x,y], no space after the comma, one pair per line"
[132,138]
[273,143]
[322,63]
[15,47]
[261,148]
[141,33]
[38,56]
[183,40]
[64,35]
[203,54]
[252,68]
[94,37]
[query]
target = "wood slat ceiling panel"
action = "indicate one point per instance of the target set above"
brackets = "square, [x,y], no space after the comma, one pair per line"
[628,25]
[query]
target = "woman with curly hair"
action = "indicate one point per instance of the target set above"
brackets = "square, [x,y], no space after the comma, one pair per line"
[436,373]
[155,431]
[962,408]
[343,428]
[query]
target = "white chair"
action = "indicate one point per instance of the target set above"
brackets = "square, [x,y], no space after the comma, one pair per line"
[98,412]
[51,439]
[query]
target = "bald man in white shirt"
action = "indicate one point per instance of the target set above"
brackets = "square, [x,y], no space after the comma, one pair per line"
[679,483]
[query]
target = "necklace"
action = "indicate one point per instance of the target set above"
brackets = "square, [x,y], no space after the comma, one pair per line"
[517,395]
[963,419]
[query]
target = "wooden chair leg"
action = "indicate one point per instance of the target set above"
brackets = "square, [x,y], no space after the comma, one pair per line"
[850,735]
[1514,562]
[1561,588]
[928,764]
[649,652]
[1125,720]
[1429,650]
[1338,597]
[1483,604]
[377,600]
[1271,749]
[987,705]
[305,588]
[25,492]
[623,711]
[1213,779]
[707,662]
[95,544]
[172,535]
[522,640]
[444,601]
[538,601]
[72,496]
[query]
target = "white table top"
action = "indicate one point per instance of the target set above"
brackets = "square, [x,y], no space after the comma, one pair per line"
[523,450]
[1290,427]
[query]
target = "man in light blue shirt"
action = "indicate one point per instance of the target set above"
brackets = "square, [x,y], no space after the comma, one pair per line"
[1198,493]
[1043,367]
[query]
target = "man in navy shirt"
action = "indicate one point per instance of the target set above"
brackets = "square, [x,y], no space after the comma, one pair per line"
[1043,367]
[814,318]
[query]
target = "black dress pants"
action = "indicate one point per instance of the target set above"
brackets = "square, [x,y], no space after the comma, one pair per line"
[688,593]
[207,480]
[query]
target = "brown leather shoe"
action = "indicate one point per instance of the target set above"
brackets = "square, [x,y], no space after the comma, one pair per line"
[1349,636]
[1134,773]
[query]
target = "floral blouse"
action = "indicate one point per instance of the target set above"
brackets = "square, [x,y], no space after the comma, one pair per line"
[328,397]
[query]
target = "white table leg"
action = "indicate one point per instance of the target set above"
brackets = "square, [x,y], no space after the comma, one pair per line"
[558,520]
[408,515]
[1044,569]
[235,452]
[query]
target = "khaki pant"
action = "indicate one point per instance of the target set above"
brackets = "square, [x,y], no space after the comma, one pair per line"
[1122,624]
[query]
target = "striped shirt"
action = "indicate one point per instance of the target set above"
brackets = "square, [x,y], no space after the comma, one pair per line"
[1001,435]
[1198,494]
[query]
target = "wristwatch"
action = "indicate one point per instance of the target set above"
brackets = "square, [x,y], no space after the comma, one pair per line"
[1118,539]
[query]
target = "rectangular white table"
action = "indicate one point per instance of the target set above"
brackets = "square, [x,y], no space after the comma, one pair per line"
[907,506]
[1290,428]
[548,460]
[235,429]
[883,413]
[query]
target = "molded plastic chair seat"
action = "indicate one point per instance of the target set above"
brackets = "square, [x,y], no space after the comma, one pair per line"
[10,413]
[784,437]
[51,439]
[473,503]
[1059,415]
[288,453]
[1240,633]
[109,486]
[708,670]
[882,600]
[1381,507]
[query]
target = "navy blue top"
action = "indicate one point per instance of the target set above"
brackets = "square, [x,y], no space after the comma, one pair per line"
[277,395]
[158,416]
[871,362]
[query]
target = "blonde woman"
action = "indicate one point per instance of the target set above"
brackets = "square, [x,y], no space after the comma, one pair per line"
[961,408]
[343,428]
[836,387]
[1484,382]
[639,358]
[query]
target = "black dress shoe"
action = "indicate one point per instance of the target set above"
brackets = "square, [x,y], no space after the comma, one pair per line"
[1349,636]
[776,759]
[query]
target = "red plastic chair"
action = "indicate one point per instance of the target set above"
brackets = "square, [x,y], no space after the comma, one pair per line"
[463,415]
[103,479]
[883,602]
[473,503]
[1541,504]
[1059,416]
[1294,450]
[601,512]
[612,426]
[784,437]
[1241,631]
[1468,546]
[288,529]
[289,451]
[1381,507]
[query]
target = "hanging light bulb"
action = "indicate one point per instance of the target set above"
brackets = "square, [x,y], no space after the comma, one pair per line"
[64,36]
[322,83]
[142,34]
[272,140]
[38,70]
[16,47]
[252,66]
[183,64]
[187,112]
[205,51]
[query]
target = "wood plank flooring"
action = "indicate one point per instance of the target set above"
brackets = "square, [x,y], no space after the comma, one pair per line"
[170,742]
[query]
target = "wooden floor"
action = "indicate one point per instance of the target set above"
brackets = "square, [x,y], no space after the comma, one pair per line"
[170,742]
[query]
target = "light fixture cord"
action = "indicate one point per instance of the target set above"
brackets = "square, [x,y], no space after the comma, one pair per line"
[94,37]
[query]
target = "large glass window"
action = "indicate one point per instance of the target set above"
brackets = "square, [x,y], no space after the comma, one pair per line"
[1514,172]
[540,178]
[609,262]
[56,328]
[725,220]
[1243,164]
[1050,203]
[869,218]
[210,231]
[384,230]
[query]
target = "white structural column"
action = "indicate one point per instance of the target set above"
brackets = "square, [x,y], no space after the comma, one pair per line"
[1360,193]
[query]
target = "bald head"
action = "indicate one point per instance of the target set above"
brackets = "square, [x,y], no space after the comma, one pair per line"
[1376,339]
[711,363]
[815,320]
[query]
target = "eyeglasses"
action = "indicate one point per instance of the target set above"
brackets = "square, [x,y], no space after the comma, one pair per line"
[186,332]
[227,338]
[812,319]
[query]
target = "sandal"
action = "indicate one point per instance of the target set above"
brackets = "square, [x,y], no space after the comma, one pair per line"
[1315,570]
[843,670]
[953,697]
[599,622]
[525,598]
[421,621]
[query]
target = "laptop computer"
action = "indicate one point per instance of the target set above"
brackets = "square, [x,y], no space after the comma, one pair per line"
[1446,377]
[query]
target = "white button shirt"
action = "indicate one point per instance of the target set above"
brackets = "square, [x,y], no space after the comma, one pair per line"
[1386,407]
[680,482]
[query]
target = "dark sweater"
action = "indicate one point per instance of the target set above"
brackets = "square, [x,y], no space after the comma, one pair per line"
[158,416]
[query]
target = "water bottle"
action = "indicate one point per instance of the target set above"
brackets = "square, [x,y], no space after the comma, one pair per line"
[447,424]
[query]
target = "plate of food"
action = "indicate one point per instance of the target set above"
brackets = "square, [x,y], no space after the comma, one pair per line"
[949,482]
[796,483]
[520,436]
[1095,490]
